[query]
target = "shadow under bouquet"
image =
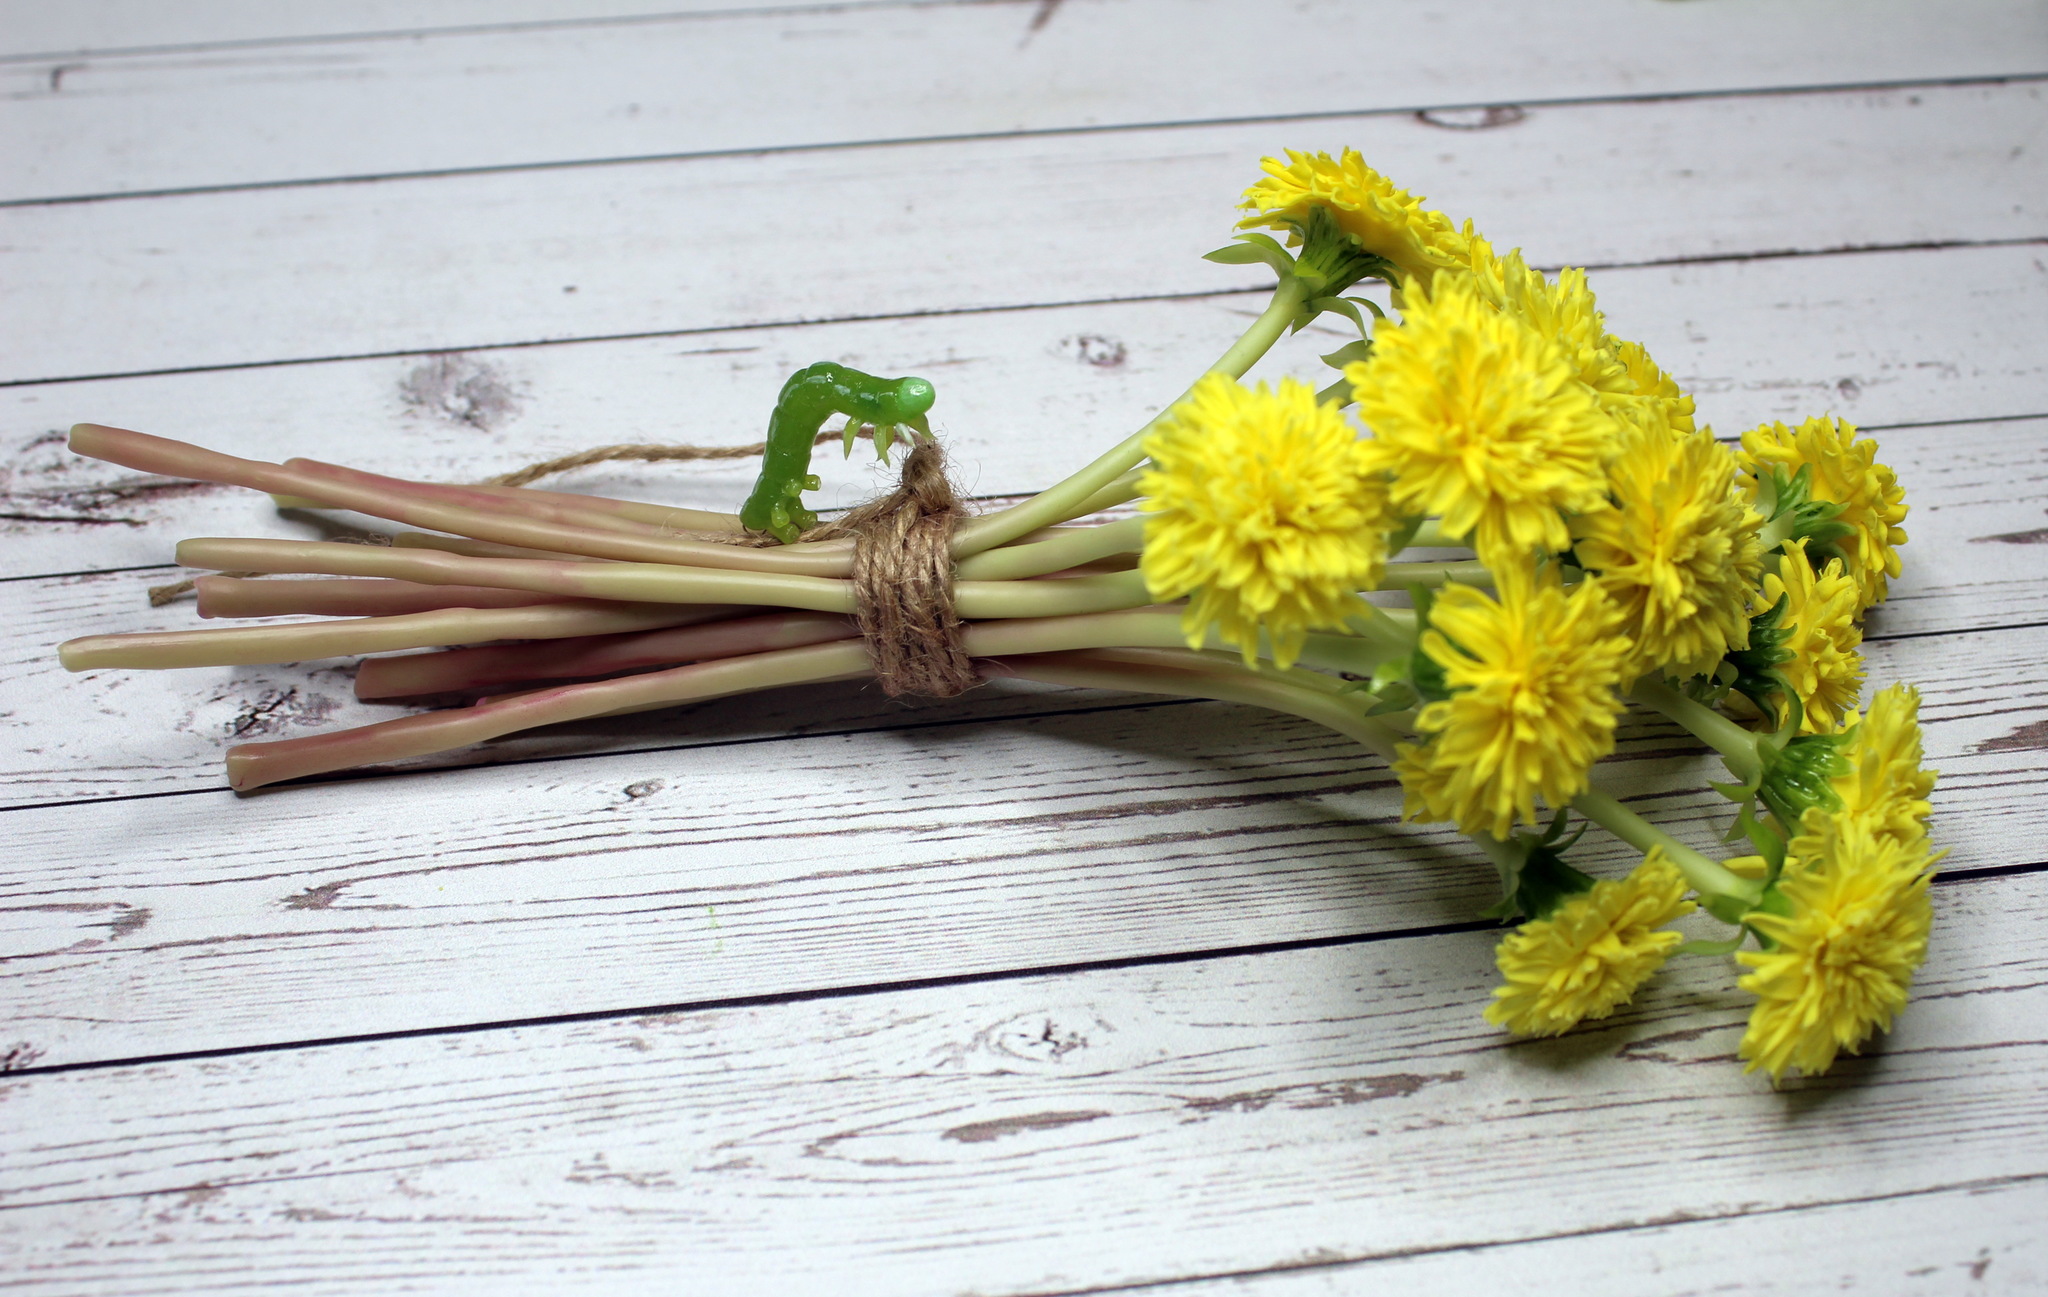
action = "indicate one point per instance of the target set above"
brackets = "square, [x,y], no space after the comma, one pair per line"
[1471,552]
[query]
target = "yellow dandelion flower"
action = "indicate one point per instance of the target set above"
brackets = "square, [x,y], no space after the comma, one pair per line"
[1587,957]
[1532,678]
[1262,510]
[1845,472]
[1651,392]
[1563,312]
[1679,551]
[1821,634]
[1480,419]
[1386,221]
[1884,789]
[1842,961]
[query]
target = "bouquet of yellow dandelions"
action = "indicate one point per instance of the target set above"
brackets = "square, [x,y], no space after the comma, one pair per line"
[1617,554]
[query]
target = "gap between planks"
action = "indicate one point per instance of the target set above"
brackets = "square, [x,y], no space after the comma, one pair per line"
[1876,1243]
[1228,1117]
[1024,396]
[1012,308]
[413,266]
[1422,111]
[567,18]
[821,993]
[1201,829]
[775,79]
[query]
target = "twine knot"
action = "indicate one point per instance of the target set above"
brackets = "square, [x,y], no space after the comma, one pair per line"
[903,580]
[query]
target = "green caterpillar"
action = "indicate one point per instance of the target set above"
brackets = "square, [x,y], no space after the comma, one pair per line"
[812,395]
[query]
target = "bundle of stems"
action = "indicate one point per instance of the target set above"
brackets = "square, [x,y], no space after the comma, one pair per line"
[589,589]
[1602,551]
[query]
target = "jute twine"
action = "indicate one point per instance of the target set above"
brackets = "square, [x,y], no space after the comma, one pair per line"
[902,559]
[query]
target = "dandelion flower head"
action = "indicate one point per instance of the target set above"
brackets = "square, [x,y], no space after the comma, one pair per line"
[1386,221]
[1532,678]
[1563,311]
[1651,392]
[1846,472]
[1883,788]
[1263,510]
[1587,957]
[1842,961]
[1481,419]
[1825,670]
[1679,551]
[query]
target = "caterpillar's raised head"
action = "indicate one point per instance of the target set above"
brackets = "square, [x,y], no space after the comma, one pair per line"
[812,395]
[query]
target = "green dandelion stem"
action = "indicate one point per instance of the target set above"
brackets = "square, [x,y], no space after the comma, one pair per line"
[1431,535]
[1739,748]
[1180,673]
[1399,576]
[1708,877]
[1069,549]
[1060,502]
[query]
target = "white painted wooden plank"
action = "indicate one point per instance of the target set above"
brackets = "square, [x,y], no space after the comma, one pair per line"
[1025,396]
[1115,1127]
[166,924]
[246,277]
[833,74]
[1977,1240]
[39,30]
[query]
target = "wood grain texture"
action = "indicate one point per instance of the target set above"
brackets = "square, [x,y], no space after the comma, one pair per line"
[1024,396]
[1039,1135]
[31,30]
[834,74]
[1035,991]
[242,278]
[1988,1242]
[690,874]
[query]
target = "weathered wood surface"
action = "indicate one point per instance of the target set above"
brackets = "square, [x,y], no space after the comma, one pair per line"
[1028,395]
[253,277]
[31,30]
[680,874]
[1035,991]
[1882,1245]
[834,74]
[1050,1134]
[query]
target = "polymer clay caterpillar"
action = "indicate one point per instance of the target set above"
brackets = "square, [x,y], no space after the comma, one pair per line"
[812,395]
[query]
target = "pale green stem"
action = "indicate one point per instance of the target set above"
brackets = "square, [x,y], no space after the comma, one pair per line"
[1304,693]
[652,582]
[985,600]
[1384,638]
[1181,674]
[1399,576]
[255,764]
[1056,555]
[1708,877]
[1060,502]
[1430,535]
[1777,531]
[1506,857]
[428,506]
[480,548]
[1121,491]
[234,646]
[1740,748]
